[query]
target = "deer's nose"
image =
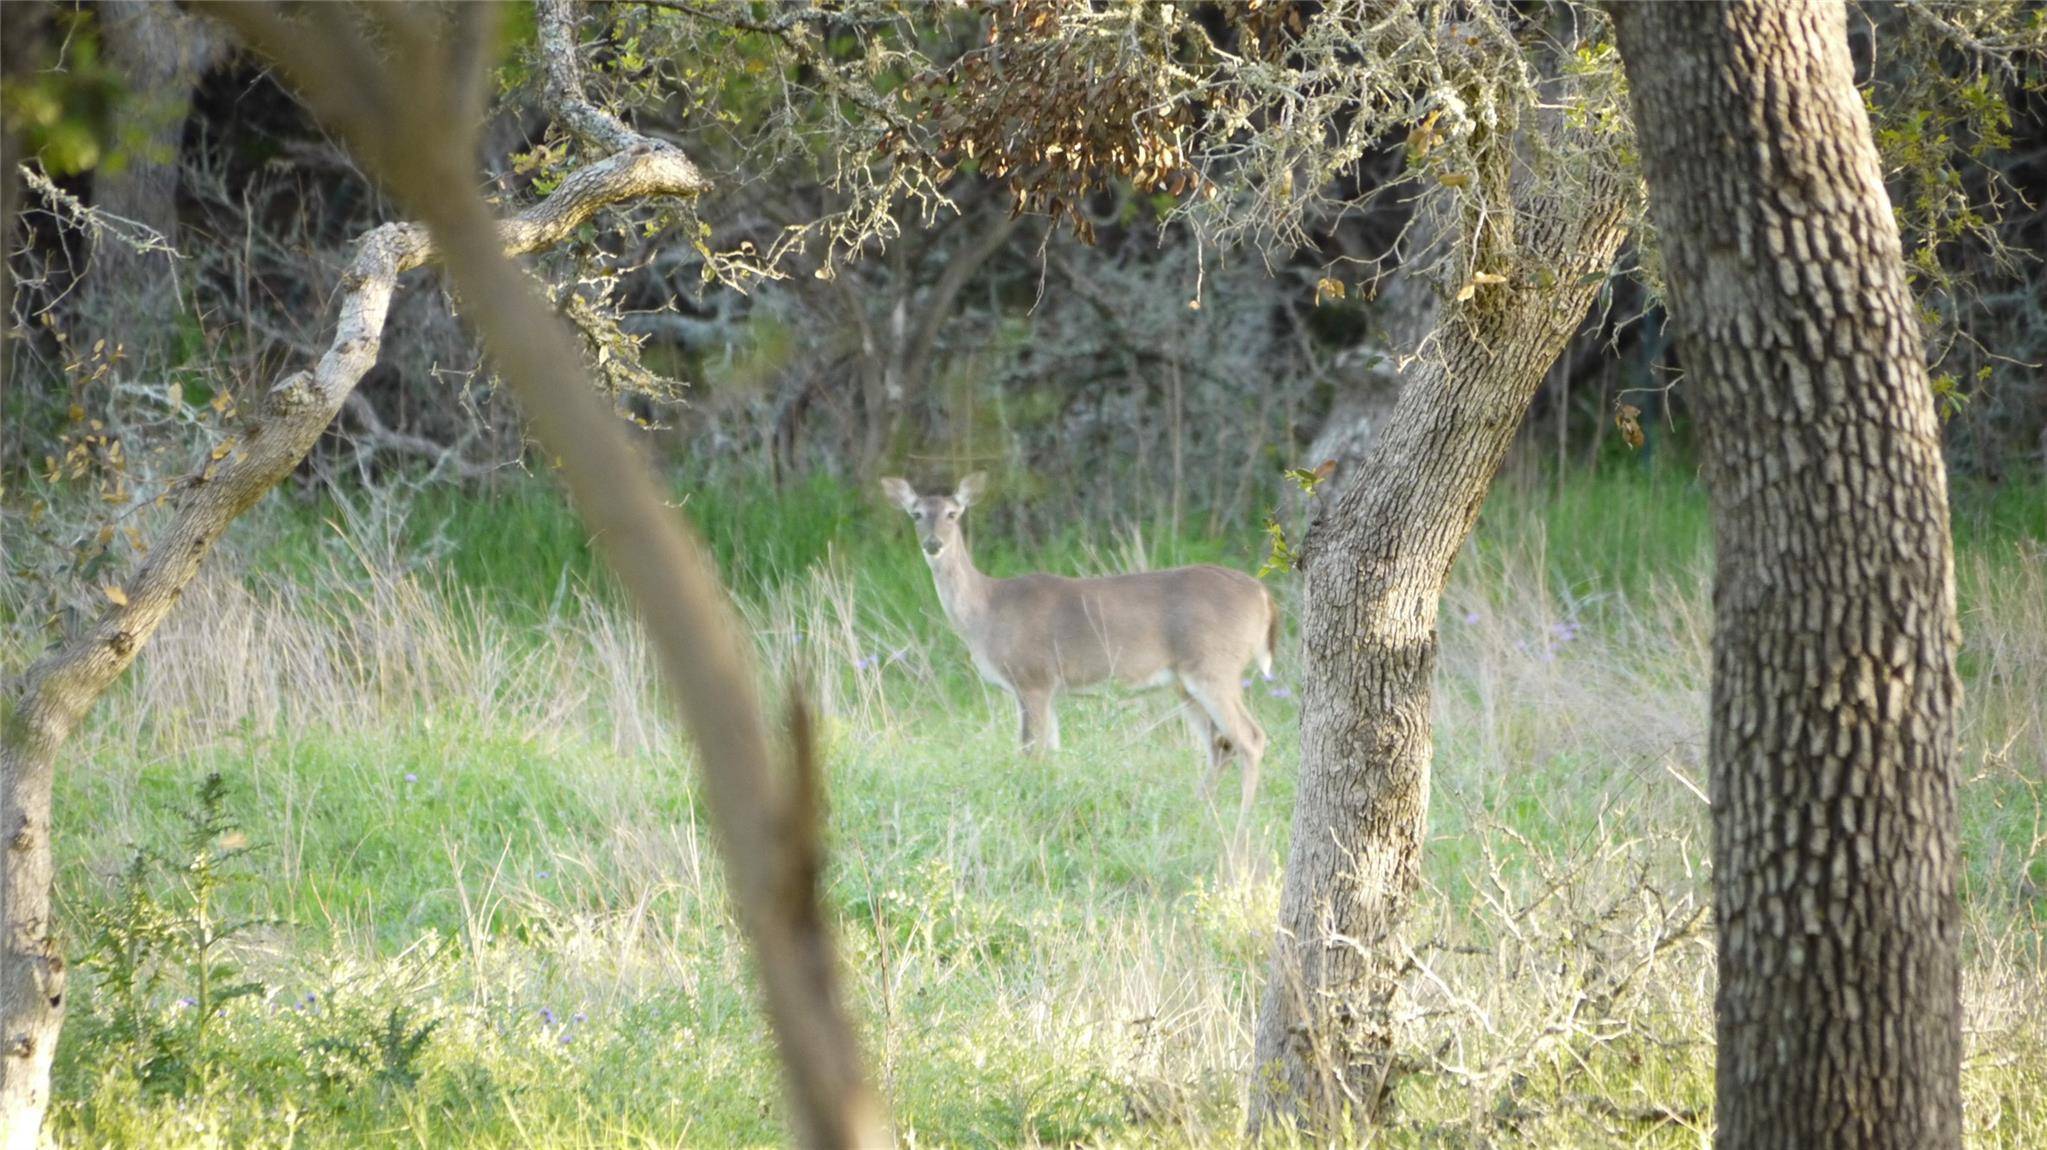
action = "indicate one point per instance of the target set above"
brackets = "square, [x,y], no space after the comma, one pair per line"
[933,547]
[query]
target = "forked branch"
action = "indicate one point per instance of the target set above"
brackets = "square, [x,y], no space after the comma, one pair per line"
[44,708]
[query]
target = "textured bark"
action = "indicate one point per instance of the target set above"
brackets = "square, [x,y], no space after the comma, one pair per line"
[1374,569]
[1834,688]
[55,694]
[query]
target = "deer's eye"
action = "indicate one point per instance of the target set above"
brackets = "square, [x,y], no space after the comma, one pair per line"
[952,515]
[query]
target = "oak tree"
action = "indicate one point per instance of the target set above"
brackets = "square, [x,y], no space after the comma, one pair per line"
[1832,745]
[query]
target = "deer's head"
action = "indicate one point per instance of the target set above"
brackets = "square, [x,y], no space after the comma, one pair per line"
[937,516]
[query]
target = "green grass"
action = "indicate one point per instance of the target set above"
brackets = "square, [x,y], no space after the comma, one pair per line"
[473,821]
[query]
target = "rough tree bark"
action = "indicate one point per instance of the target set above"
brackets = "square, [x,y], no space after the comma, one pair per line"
[55,694]
[1374,568]
[1832,743]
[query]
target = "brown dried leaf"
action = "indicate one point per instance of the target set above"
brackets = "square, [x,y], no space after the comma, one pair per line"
[1626,416]
[1423,137]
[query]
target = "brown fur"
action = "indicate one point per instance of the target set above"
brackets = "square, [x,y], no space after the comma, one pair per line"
[1195,629]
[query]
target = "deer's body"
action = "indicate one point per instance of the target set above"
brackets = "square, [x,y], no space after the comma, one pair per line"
[1193,629]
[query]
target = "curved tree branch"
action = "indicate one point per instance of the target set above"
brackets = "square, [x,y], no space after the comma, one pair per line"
[767,818]
[562,90]
[55,694]
[563,95]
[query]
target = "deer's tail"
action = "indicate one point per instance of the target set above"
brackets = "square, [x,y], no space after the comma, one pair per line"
[1271,636]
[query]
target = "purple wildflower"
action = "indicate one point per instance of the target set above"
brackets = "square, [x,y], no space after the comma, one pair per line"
[1280,692]
[188,1002]
[547,1015]
[1471,618]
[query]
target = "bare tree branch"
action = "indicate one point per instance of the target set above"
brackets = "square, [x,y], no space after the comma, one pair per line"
[135,236]
[377,437]
[767,819]
[55,694]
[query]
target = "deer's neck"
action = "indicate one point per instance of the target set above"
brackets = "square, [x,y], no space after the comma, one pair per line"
[962,589]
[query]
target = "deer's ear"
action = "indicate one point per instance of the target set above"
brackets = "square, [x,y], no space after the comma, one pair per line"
[971,489]
[899,492]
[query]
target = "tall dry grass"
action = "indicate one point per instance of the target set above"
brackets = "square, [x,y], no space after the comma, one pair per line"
[1044,951]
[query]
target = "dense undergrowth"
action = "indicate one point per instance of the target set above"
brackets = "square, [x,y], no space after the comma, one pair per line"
[453,886]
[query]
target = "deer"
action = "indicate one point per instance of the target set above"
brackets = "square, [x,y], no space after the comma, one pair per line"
[1194,629]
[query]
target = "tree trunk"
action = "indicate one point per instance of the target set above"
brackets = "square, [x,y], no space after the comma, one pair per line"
[882,365]
[896,361]
[161,53]
[21,45]
[1832,746]
[1374,569]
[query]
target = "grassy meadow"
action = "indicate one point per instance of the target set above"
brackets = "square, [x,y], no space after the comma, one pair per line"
[456,889]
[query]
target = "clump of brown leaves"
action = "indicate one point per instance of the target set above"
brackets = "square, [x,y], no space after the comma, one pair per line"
[1063,100]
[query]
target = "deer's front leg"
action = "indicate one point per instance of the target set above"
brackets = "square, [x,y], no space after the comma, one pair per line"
[1037,730]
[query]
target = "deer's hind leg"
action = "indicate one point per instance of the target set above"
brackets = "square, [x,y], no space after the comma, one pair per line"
[1250,753]
[1235,732]
[1204,732]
